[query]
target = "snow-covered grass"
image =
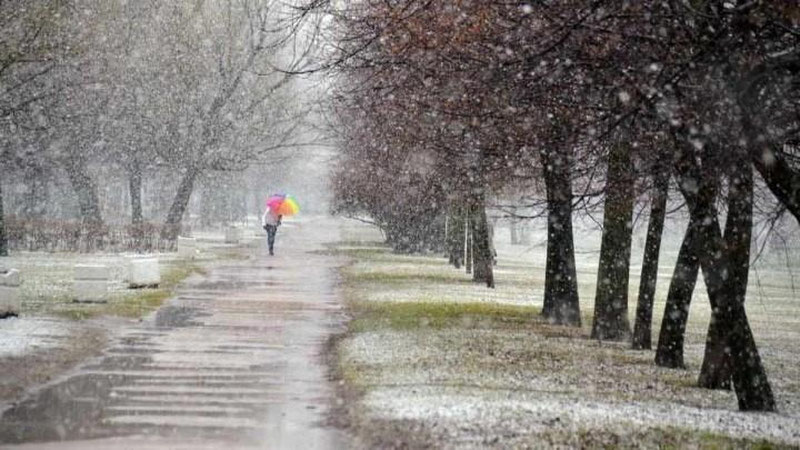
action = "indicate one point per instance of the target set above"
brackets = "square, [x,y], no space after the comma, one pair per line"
[436,315]
[439,361]
[51,335]
[18,337]
[47,280]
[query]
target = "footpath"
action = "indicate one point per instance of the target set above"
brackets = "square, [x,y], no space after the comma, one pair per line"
[234,360]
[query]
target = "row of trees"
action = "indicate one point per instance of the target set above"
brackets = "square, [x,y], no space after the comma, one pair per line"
[97,89]
[446,105]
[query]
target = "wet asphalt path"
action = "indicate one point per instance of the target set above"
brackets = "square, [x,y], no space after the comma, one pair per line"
[234,361]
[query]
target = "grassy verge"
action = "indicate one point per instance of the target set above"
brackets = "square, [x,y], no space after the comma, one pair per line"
[670,439]
[372,251]
[47,282]
[409,315]
[415,343]
[46,289]
[133,303]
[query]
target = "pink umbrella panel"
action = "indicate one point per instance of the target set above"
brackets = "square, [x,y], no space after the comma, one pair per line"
[284,205]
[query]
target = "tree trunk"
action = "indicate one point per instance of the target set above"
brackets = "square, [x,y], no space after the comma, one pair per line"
[611,298]
[172,226]
[482,270]
[512,226]
[561,303]
[647,285]
[447,236]
[725,284]
[35,201]
[137,218]
[669,352]
[455,236]
[468,244]
[88,200]
[3,236]
[86,191]
[717,369]
[782,180]
[492,249]
[525,232]
[135,186]
[766,155]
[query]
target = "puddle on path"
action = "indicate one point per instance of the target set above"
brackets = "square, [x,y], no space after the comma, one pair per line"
[19,336]
[232,362]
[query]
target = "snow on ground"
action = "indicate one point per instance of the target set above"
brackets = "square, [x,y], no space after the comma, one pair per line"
[19,336]
[47,338]
[478,384]
[47,278]
[462,414]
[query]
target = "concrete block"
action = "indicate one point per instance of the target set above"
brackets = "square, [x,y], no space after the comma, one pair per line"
[90,291]
[91,283]
[9,293]
[233,235]
[9,301]
[10,278]
[143,271]
[187,247]
[91,272]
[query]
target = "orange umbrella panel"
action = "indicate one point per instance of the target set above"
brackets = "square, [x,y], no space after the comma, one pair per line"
[283,205]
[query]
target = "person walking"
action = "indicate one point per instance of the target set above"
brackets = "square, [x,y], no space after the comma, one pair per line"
[270,222]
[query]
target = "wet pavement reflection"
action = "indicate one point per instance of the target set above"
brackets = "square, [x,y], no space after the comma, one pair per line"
[234,361]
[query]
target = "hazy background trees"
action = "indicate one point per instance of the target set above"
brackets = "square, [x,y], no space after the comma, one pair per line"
[122,116]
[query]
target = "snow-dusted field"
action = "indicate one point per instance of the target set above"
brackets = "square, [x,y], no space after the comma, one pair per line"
[47,278]
[476,383]
[49,335]
[21,336]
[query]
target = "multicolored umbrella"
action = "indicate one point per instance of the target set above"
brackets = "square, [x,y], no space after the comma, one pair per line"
[282,204]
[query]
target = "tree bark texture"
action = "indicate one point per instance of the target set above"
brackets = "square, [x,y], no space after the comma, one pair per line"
[782,180]
[611,297]
[717,370]
[455,236]
[725,285]
[36,196]
[482,257]
[88,200]
[135,187]
[513,225]
[135,191]
[86,190]
[561,303]
[172,225]
[669,351]
[468,244]
[3,236]
[652,248]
